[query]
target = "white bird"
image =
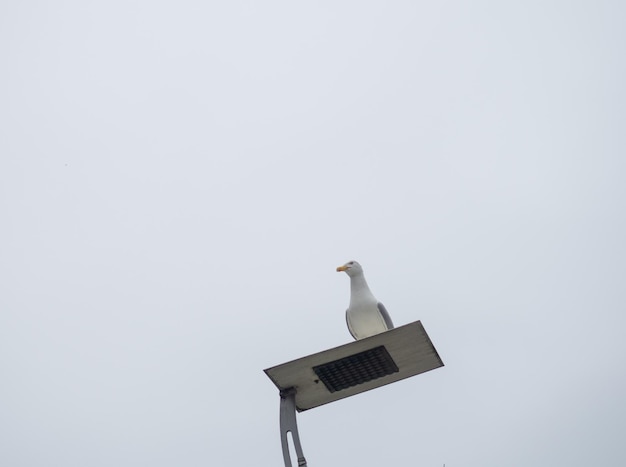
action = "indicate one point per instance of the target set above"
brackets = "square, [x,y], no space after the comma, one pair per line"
[365,316]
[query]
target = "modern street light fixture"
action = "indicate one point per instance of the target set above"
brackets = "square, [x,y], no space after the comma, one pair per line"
[344,371]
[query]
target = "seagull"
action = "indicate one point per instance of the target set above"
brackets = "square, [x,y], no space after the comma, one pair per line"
[365,316]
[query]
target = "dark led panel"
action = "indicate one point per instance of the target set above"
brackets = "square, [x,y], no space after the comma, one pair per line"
[356,369]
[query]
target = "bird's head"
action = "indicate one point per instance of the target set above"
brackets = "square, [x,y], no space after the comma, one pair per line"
[351,268]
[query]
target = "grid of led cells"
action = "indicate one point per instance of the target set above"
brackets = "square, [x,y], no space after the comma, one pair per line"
[356,369]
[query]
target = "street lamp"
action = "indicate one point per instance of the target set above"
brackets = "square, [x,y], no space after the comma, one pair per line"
[350,369]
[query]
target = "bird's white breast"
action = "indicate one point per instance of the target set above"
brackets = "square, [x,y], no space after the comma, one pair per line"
[364,319]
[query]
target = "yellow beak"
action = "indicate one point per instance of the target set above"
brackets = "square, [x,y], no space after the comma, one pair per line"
[342,268]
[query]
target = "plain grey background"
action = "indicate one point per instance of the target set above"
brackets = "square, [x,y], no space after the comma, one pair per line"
[179,181]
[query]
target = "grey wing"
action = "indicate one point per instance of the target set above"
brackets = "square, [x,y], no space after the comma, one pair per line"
[385,314]
[349,327]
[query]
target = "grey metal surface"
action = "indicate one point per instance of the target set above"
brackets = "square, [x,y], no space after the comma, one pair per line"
[288,424]
[409,346]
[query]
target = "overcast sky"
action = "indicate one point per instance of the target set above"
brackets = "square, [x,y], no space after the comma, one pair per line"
[179,180]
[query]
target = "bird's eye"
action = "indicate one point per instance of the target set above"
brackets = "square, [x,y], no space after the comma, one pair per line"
[351,263]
